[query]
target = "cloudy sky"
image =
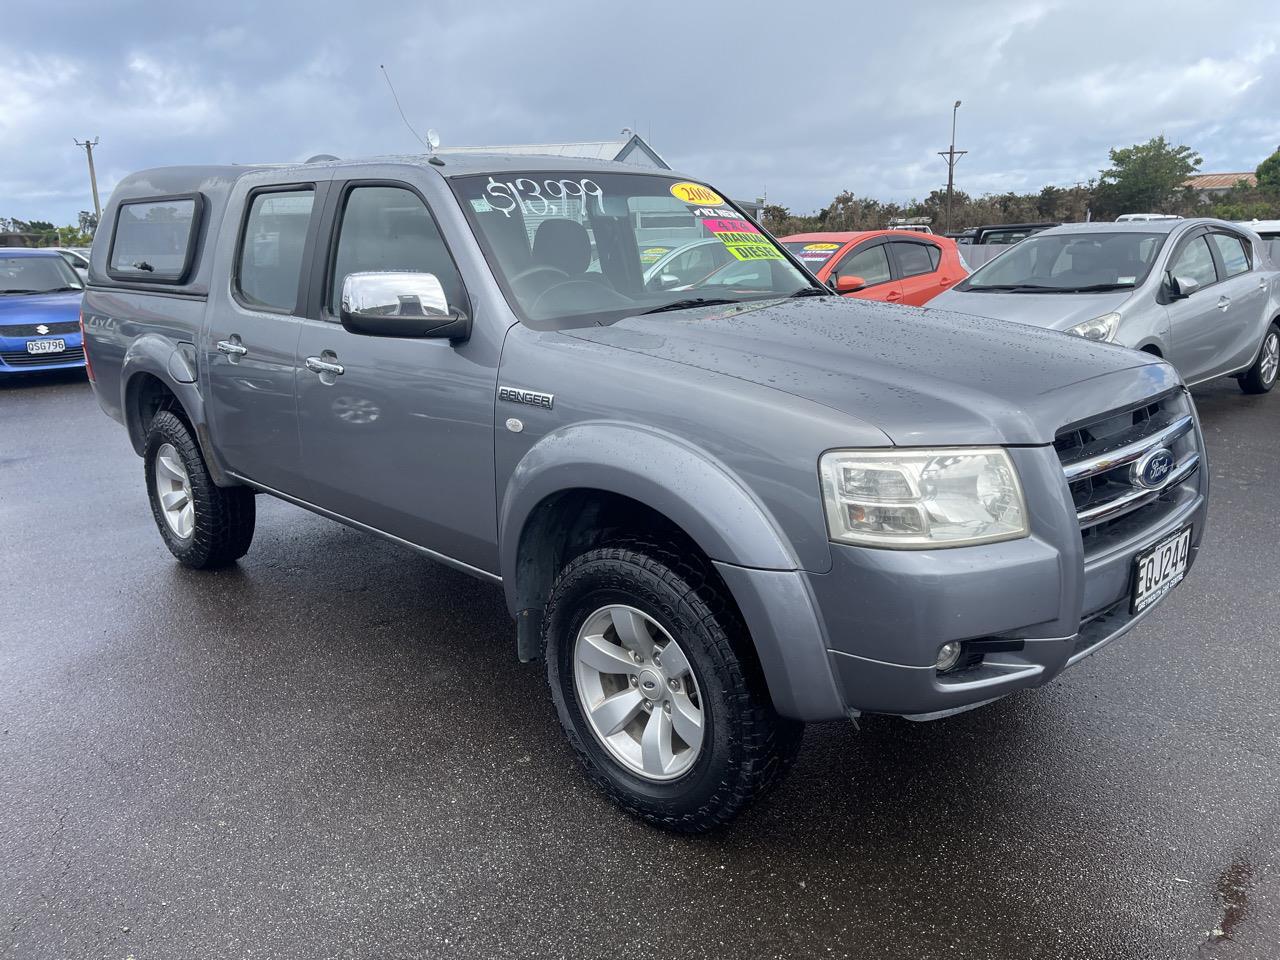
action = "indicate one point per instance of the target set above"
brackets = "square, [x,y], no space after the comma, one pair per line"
[799,100]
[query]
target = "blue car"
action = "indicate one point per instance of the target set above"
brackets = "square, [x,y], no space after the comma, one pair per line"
[39,312]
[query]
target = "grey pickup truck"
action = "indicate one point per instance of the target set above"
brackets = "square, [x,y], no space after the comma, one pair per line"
[721,504]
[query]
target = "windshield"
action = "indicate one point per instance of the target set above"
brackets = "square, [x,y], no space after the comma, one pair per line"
[1070,263]
[36,275]
[812,253]
[601,246]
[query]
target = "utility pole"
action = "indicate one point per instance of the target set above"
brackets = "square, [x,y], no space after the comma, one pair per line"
[951,156]
[93,177]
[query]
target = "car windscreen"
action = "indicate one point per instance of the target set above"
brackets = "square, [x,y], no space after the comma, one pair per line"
[36,275]
[575,246]
[1070,263]
[812,253]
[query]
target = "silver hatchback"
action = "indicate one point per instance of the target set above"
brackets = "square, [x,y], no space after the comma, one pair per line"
[1203,294]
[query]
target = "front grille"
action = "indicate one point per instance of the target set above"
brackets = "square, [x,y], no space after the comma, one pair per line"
[24,359]
[29,329]
[1101,456]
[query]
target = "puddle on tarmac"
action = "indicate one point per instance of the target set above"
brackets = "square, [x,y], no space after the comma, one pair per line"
[1232,888]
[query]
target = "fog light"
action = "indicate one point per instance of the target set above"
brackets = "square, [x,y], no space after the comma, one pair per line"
[949,655]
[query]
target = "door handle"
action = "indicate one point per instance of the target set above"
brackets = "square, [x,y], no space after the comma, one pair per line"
[1223,303]
[232,348]
[894,297]
[316,365]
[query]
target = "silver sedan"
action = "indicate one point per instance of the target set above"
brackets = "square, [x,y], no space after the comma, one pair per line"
[1203,294]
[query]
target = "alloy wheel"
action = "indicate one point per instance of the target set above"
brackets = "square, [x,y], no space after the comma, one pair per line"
[173,492]
[638,693]
[1270,357]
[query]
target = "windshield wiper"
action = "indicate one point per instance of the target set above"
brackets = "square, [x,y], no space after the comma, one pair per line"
[60,289]
[687,304]
[1097,287]
[811,292]
[1041,288]
[7,292]
[1015,288]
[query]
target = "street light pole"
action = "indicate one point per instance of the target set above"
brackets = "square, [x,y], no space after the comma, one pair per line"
[951,155]
[93,177]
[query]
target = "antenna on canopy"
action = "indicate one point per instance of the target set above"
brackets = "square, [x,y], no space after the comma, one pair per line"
[431,134]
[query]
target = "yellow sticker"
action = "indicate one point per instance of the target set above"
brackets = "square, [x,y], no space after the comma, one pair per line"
[653,254]
[696,193]
[822,246]
[742,239]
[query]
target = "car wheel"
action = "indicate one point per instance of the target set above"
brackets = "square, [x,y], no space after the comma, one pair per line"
[202,524]
[1261,377]
[655,683]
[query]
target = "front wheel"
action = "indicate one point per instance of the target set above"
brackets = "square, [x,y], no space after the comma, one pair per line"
[1261,377]
[202,524]
[656,686]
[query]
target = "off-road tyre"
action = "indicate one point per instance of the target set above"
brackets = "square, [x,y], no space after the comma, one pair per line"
[747,747]
[224,516]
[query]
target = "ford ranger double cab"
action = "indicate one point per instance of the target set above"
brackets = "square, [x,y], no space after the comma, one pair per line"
[720,507]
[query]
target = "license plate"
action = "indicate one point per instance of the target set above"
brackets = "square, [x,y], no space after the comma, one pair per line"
[46,346]
[1159,569]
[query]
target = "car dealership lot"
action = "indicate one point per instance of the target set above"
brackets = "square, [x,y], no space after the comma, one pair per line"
[330,750]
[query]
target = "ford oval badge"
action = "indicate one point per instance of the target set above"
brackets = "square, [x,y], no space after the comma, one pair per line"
[1153,470]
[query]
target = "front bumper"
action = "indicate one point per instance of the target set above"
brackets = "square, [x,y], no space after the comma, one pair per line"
[15,359]
[1028,608]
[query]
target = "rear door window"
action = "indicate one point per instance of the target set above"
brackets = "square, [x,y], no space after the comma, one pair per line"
[269,262]
[1232,251]
[153,240]
[913,258]
[871,264]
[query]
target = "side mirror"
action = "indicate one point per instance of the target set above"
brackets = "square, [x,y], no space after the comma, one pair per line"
[663,281]
[396,304]
[1182,287]
[849,284]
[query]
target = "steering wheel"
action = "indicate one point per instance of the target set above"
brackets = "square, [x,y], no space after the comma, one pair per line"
[537,268]
[596,295]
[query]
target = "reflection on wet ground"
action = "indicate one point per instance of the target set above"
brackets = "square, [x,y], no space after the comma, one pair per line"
[330,750]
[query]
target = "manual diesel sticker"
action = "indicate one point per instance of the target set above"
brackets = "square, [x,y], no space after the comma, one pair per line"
[742,239]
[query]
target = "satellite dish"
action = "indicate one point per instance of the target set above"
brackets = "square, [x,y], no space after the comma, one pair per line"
[433,139]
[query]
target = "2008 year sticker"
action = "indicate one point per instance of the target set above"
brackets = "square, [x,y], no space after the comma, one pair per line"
[696,193]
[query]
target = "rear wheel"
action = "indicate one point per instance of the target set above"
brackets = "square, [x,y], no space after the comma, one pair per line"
[202,524]
[1261,377]
[656,686]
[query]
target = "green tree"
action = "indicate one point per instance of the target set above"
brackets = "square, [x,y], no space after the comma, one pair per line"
[1146,178]
[1269,172]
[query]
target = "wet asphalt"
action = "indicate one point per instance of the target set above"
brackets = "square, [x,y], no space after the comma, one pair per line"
[331,751]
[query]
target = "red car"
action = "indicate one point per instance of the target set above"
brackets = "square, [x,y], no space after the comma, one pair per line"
[890,265]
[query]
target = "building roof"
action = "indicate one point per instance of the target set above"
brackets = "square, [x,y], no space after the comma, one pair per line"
[1219,181]
[629,148]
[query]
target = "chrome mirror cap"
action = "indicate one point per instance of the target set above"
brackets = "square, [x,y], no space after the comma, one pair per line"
[400,304]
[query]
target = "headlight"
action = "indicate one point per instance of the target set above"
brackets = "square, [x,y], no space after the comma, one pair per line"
[1102,329]
[918,499]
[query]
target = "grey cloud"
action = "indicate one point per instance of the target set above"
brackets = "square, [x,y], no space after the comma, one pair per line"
[799,100]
